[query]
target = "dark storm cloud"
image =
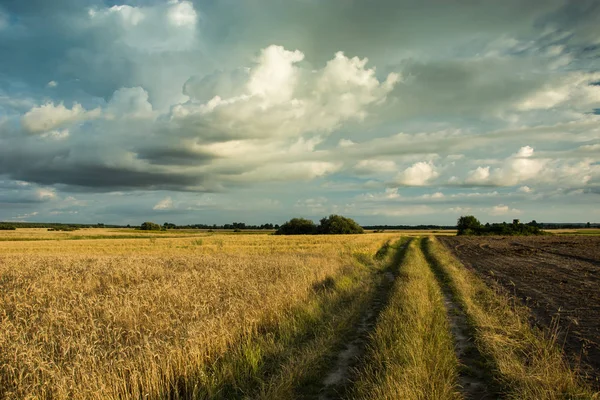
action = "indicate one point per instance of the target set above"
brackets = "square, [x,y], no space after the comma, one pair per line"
[95,175]
[40,37]
[8,198]
[578,17]
[464,87]
[105,178]
[174,156]
[364,27]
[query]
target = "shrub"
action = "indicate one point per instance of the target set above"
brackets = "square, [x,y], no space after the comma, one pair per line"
[297,226]
[338,225]
[150,226]
[5,227]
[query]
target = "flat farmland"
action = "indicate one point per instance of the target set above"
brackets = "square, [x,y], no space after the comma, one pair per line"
[124,314]
[557,277]
[179,316]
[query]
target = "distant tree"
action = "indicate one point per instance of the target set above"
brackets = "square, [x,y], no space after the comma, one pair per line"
[338,225]
[6,227]
[334,224]
[297,226]
[150,226]
[468,225]
[168,225]
[588,225]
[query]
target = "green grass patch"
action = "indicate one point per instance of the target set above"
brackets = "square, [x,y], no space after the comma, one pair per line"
[411,355]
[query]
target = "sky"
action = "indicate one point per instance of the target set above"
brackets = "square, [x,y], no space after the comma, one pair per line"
[213,111]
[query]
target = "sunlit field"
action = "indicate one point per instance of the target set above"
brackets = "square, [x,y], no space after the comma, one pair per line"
[116,318]
[123,314]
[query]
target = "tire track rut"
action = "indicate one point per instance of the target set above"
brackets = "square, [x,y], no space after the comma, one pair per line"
[474,376]
[338,379]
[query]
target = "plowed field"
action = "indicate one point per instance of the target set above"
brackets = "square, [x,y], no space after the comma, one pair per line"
[557,277]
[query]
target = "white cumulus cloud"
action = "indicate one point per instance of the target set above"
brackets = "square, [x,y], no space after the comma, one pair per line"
[275,78]
[525,189]
[157,28]
[280,99]
[419,174]
[479,175]
[129,102]
[49,116]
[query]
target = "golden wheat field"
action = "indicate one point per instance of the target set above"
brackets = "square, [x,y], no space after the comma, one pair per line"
[128,318]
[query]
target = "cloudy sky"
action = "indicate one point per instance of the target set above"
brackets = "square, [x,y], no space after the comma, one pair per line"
[213,111]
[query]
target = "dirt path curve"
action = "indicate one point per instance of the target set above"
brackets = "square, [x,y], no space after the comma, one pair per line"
[473,375]
[337,380]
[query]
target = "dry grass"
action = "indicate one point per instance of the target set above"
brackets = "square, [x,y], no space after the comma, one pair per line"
[128,318]
[527,363]
[412,353]
[35,234]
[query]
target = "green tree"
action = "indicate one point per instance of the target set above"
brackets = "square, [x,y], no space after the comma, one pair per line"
[297,226]
[150,226]
[338,225]
[468,225]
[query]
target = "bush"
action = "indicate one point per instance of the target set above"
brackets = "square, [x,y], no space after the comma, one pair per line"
[150,226]
[332,225]
[297,226]
[338,225]
[4,227]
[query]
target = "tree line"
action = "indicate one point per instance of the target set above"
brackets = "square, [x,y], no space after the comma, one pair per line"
[470,226]
[501,228]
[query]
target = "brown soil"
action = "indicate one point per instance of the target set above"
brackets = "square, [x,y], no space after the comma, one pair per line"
[557,277]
